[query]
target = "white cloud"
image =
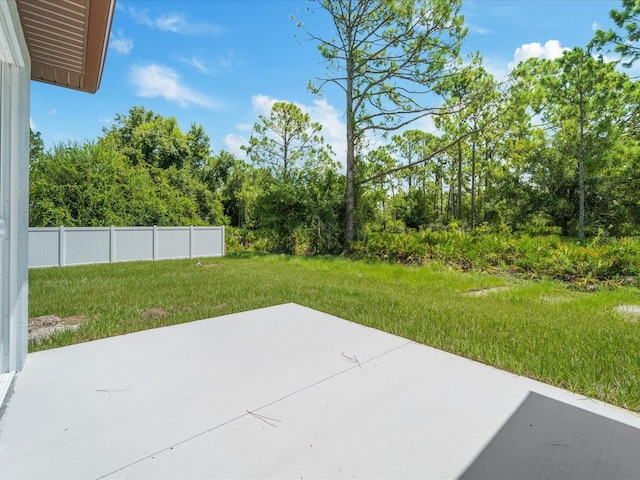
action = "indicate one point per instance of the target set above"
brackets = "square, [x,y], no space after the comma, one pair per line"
[32,124]
[595,26]
[218,64]
[426,124]
[233,143]
[152,81]
[261,104]
[477,29]
[550,50]
[333,127]
[121,44]
[53,112]
[607,58]
[170,23]
[195,63]
[497,66]
[176,23]
[173,22]
[224,62]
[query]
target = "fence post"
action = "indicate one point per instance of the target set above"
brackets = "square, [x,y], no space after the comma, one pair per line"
[112,244]
[224,244]
[191,240]
[61,247]
[154,241]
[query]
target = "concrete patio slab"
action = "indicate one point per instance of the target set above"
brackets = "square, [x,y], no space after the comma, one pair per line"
[289,392]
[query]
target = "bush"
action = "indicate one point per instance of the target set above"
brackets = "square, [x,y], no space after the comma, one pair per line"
[245,240]
[611,262]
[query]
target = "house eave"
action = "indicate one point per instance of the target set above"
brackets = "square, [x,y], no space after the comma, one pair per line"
[67,40]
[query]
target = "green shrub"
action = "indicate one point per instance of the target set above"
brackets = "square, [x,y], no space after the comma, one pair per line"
[609,261]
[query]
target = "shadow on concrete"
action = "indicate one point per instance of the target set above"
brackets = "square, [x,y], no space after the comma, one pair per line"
[546,438]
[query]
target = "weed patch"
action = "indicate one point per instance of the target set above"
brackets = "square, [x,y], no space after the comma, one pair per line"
[608,263]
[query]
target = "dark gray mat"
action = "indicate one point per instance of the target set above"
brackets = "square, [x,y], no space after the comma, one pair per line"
[548,439]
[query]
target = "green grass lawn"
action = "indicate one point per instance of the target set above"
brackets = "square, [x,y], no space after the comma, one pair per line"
[544,330]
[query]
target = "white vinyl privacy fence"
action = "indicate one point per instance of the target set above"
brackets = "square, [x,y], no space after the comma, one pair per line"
[49,247]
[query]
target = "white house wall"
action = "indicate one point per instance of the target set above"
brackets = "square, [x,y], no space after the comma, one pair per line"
[14,191]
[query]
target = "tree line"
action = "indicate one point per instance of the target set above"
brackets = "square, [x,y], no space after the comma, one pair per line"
[553,146]
[144,170]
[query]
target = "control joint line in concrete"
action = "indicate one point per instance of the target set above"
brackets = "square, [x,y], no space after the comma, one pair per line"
[359,365]
[252,412]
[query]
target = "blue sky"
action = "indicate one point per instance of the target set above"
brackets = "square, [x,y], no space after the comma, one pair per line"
[221,63]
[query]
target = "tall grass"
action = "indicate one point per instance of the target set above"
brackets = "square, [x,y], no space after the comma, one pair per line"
[601,262]
[542,329]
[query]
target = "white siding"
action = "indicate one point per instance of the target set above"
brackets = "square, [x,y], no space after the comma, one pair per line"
[14,189]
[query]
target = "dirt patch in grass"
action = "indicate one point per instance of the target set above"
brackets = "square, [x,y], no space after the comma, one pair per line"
[46,325]
[75,319]
[156,312]
[211,265]
[485,291]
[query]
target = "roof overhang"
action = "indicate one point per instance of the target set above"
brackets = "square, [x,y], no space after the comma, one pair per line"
[67,40]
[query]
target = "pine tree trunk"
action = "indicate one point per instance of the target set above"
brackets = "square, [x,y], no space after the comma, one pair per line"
[459,212]
[473,185]
[350,199]
[581,172]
